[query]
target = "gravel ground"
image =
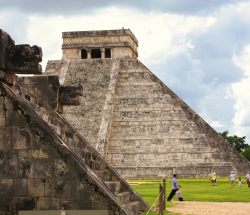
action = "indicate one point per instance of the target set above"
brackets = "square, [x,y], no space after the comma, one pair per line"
[208,208]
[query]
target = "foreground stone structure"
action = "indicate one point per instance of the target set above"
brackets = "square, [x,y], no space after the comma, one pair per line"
[46,166]
[135,121]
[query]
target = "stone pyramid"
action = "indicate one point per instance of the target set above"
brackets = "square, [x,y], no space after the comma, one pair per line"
[140,126]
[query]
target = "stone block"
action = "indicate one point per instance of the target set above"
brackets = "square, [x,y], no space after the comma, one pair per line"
[24,59]
[2,138]
[25,203]
[45,203]
[67,190]
[69,95]
[8,105]
[6,138]
[6,182]
[7,193]
[5,42]
[62,170]
[2,118]
[21,187]
[54,188]
[1,102]
[19,141]
[25,168]
[44,168]
[47,91]
[40,212]
[8,164]
[15,118]
[187,170]
[36,187]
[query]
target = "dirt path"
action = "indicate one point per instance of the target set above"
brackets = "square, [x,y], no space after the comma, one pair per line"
[208,208]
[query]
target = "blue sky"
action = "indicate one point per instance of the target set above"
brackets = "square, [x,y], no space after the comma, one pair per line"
[200,49]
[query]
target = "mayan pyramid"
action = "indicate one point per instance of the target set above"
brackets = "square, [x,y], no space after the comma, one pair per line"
[139,125]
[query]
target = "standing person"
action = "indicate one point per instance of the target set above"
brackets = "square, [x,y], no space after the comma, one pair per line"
[248,180]
[232,177]
[240,183]
[213,178]
[175,187]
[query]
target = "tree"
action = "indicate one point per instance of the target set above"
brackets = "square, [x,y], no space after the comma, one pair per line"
[246,153]
[239,143]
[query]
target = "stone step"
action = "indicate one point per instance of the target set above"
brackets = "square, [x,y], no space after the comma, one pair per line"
[124,197]
[114,186]
[136,83]
[102,175]
[134,207]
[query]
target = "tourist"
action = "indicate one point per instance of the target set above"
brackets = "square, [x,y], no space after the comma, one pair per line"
[239,182]
[232,177]
[212,178]
[248,180]
[175,187]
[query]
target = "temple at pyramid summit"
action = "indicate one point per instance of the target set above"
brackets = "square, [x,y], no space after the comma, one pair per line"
[137,124]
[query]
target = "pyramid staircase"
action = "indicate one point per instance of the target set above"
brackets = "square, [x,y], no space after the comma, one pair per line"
[68,140]
[154,133]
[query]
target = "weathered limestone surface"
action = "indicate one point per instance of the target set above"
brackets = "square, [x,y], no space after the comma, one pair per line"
[122,42]
[94,76]
[152,132]
[22,59]
[44,163]
[35,174]
[155,134]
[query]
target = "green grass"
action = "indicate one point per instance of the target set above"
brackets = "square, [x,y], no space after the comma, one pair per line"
[194,190]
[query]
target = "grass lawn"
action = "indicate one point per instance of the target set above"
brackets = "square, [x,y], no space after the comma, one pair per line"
[194,190]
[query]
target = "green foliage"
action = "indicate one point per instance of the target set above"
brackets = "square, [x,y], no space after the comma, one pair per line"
[195,190]
[246,153]
[239,143]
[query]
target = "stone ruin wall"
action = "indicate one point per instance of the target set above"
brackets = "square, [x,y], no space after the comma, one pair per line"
[34,175]
[44,163]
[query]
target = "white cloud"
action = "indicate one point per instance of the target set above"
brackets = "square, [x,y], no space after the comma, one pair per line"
[241,90]
[204,59]
[83,6]
[159,34]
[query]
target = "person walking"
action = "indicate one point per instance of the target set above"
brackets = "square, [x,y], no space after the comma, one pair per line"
[175,187]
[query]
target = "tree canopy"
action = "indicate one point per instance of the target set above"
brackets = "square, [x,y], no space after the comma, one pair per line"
[246,153]
[239,143]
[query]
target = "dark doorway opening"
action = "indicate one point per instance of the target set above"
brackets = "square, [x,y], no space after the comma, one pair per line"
[107,53]
[96,53]
[84,54]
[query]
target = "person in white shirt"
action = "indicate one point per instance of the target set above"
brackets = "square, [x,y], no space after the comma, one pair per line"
[232,177]
[175,187]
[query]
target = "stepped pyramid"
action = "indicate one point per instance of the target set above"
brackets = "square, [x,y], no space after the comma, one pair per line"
[139,126]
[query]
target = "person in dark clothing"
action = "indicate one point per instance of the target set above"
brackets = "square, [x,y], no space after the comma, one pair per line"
[175,187]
